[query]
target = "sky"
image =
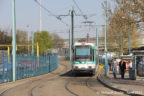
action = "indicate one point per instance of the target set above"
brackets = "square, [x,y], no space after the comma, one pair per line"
[28,16]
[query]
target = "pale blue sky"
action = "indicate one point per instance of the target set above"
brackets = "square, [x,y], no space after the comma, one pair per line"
[27,14]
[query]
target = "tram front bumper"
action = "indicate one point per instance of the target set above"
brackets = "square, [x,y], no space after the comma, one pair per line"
[84,70]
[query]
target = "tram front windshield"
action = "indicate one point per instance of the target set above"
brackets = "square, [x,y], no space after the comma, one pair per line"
[83,53]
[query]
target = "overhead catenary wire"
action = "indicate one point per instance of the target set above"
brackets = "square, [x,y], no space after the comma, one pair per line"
[80,10]
[51,13]
[59,16]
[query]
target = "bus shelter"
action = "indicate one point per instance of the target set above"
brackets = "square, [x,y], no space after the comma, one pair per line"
[139,64]
[130,65]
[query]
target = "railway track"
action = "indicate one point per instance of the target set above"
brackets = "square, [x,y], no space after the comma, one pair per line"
[84,82]
[70,91]
[89,82]
[45,79]
[94,89]
[71,85]
[52,79]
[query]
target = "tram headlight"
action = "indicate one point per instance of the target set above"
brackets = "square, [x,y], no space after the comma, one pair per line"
[89,67]
[76,67]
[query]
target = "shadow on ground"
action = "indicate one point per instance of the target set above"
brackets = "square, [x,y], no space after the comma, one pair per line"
[70,74]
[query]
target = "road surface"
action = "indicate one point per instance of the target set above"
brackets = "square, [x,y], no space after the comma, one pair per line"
[61,82]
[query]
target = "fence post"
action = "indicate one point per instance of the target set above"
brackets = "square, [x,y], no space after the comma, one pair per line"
[8,54]
[17,66]
[49,63]
[21,73]
[31,64]
[3,68]
[38,53]
[7,69]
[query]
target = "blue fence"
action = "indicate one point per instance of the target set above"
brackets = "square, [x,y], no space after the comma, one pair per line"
[27,66]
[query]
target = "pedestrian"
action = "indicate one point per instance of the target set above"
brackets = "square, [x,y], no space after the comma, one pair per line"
[114,68]
[130,69]
[130,64]
[109,65]
[122,66]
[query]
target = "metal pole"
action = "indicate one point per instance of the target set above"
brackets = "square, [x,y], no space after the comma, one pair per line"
[72,31]
[106,62]
[8,53]
[38,54]
[97,38]
[70,45]
[32,43]
[40,16]
[97,47]
[14,39]
[28,42]
[129,35]
[87,37]
[72,25]
[121,41]
[129,44]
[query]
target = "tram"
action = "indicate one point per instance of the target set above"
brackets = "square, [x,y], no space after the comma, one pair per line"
[84,58]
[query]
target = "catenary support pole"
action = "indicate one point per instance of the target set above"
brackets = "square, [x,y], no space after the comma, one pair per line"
[72,29]
[129,43]
[129,34]
[32,43]
[97,47]
[40,15]
[97,37]
[121,41]
[106,62]
[70,49]
[14,39]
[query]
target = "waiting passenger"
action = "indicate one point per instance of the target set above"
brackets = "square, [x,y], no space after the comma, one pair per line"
[122,66]
[114,68]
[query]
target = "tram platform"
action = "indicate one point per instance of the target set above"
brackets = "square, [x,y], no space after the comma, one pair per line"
[126,86]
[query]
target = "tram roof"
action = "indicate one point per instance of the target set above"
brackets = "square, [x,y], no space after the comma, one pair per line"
[83,43]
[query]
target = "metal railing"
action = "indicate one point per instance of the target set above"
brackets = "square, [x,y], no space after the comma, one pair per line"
[27,66]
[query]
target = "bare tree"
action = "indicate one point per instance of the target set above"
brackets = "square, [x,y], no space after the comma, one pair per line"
[120,20]
[57,41]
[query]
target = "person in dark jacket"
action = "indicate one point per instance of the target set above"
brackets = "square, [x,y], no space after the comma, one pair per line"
[122,66]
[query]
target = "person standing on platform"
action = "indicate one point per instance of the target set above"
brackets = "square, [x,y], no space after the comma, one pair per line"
[122,66]
[110,65]
[114,68]
[130,68]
